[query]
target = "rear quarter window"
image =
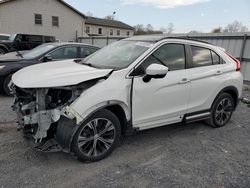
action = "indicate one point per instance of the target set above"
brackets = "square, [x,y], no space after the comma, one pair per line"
[201,56]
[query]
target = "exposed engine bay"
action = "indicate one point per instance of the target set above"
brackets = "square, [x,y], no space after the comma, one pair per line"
[39,110]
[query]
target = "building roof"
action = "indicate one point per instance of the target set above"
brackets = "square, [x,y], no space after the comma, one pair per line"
[108,23]
[61,1]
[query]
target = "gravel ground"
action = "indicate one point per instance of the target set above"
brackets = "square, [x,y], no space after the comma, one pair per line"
[193,155]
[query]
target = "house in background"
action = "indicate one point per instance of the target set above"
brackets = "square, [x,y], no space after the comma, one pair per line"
[55,18]
[45,17]
[105,27]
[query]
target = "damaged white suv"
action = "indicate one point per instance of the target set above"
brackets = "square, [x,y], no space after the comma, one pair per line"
[85,106]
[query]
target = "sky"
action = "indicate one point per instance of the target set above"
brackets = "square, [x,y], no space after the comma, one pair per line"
[186,15]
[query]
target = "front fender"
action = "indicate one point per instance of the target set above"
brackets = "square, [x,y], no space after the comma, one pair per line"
[71,113]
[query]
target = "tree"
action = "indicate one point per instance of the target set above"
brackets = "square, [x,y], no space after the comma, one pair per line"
[109,17]
[168,30]
[217,30]
[149,28]
[236,26]
[90,14]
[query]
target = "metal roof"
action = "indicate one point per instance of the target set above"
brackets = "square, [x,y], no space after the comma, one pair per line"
[108,23]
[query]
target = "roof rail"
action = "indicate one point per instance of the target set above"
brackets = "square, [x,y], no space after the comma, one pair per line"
[185,38]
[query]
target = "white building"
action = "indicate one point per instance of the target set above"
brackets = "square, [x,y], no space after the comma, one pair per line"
[45,17]
[54,18]
[105,27]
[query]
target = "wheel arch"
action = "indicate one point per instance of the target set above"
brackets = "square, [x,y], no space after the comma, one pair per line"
[69,127]
[5,48]
[231,90]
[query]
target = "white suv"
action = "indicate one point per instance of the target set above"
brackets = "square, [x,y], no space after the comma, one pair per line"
[84,106]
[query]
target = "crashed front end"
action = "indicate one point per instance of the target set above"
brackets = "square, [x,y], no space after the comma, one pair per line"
[39,111]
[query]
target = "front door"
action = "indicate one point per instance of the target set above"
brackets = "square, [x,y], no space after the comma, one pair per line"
[161,101]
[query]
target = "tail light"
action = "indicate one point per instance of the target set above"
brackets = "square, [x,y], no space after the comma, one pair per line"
[236,61]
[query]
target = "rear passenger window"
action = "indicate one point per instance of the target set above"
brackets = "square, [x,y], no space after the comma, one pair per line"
[201,56]
[216,58]
[37,39]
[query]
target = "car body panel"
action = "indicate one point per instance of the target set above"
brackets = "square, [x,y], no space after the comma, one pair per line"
[56,74]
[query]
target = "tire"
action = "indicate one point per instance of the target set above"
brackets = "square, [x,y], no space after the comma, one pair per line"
[222,110]
[91,143]
[2,51]
[6,88]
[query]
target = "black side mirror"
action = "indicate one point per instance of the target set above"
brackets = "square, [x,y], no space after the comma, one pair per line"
[47,58]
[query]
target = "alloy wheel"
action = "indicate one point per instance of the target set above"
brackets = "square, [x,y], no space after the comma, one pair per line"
[223,111]
[96,137]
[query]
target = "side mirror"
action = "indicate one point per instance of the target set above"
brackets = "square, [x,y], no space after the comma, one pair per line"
[47,58]
[155,71]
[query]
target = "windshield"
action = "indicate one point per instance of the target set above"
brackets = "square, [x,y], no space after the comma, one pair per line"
[12,37]
[118,55]
[39,50]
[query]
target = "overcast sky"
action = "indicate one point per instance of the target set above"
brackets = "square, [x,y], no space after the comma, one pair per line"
[186,15]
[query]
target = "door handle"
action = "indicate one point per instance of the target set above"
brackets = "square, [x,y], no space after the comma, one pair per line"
[219,72]
[184,81]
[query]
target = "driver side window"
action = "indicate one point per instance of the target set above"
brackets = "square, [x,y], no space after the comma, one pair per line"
[64,53]
[170,55]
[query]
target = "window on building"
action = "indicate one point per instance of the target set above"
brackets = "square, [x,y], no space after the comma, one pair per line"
[201,56]
[111,32]
[100,31]
[128,33]
[55,21]
[88,29]
[118,32]
[38,19]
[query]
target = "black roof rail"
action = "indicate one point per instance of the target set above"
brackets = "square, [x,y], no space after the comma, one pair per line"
[185,38]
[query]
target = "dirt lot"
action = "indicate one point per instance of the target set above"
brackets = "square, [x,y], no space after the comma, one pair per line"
[194,155]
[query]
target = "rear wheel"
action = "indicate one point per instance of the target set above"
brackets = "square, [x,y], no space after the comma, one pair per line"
[6,83]
[97,136]
[222,110]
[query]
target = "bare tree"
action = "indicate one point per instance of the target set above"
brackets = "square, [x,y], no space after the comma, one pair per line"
[168,30]
[236,26]
[109,17]
[90,14]
[194,32]
[149,28]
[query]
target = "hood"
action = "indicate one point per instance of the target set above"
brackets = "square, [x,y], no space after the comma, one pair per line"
[56,74]
[10,57]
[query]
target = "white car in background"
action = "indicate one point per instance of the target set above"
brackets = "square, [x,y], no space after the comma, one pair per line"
[135,84]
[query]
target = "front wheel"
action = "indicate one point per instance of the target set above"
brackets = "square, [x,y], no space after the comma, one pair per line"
[222,110]
[97,137]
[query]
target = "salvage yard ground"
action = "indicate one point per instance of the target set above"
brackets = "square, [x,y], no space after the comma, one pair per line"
[193,155]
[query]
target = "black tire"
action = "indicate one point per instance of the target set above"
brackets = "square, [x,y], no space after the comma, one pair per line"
[6,88]
[222,110]
[2,51]
[93,145]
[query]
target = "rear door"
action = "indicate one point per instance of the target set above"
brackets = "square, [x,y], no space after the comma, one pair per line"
[206,76]
[161,101]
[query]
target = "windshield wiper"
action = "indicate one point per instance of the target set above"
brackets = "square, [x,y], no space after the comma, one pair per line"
[19,54]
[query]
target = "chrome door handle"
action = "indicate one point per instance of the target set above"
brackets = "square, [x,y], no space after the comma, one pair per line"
[184,81]
[218,73]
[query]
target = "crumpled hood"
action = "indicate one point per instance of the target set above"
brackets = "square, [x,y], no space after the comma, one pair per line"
[56,74]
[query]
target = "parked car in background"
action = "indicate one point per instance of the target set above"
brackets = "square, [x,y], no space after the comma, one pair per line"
[22,42]
[12,62]
[4,36]
[135,84]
